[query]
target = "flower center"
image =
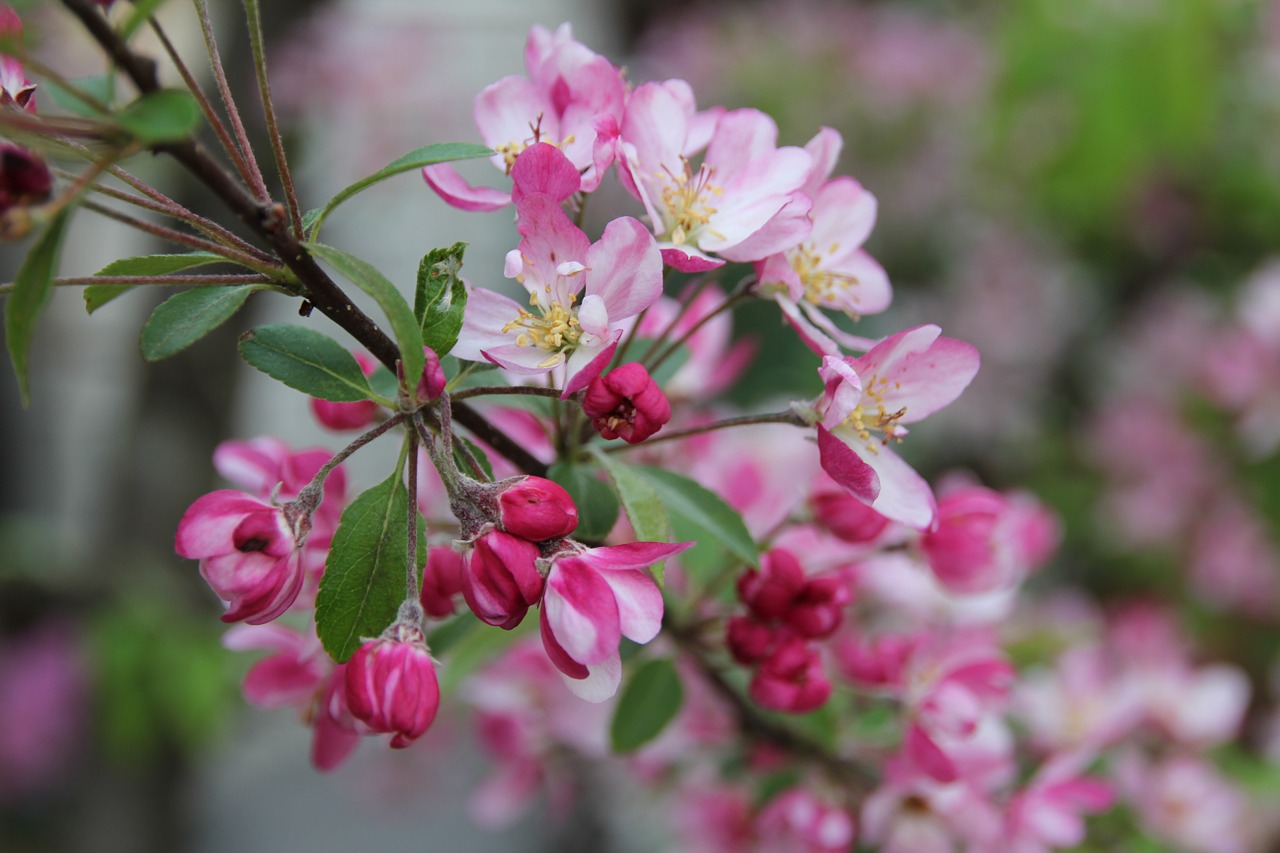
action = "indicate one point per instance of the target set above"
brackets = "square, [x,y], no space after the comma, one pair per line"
[556,330]
[824,287]
[511,150]
[687,198]
[872,416]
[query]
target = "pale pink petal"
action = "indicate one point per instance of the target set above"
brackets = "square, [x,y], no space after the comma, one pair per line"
[923,372]
[842,338]
[824,148]
[810,335]
[487,312]
[507,112]
[842,389]
[632,555]
[904,495]
[601,683]
[788,228]
[455,190]
[625,268]
[639,604]
[843,215]
[741,137]
[253,465]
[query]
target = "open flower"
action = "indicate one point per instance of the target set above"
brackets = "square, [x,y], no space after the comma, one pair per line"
[903,379]
[593,598]
[569,91]
[742,203]
[579,292]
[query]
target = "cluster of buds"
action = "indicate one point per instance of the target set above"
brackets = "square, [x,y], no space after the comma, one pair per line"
[786,610]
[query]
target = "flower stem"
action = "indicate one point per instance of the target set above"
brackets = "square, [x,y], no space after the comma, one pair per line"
[269,111]
[785,417]
[517,390]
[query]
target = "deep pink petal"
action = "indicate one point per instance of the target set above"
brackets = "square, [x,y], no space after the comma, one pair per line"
[632,555]
[904,495]
[579,377]
[208,524]
[457,192]
[543,169]
[846,467]
[689,259]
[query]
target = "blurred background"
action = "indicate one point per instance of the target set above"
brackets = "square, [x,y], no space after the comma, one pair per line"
[1087,191]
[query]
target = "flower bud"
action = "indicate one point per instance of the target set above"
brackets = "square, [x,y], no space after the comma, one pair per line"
[771,592]
[392,686]
[502,580]
[247,553]
[819,608]
[443,577]
[347,416]
[433,380]
[24,178]
[626,403]
[537,509]
[846,516]
[791,679]
[748,640]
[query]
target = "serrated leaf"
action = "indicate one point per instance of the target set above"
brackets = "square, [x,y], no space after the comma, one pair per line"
[404,325]
[364,574]
[699,514]
[597,504]
[97,295]
[305,360]
[650,700]
[441,297]
[429,155]
[642,504]
[186,317]
[31,287]
[101,88]
[162,116]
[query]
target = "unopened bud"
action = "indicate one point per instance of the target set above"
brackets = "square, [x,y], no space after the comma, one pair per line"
[392,686]
[537,509]
[626,403]
[502,578]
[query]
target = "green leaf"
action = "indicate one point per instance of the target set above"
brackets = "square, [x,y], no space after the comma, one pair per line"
[701,515]
[441,297]
[97,295]
[162,116]
[641,502]
[403,324]
[186,317]
[364,575]
[101,88]
[650,700]
[429,155]
[305,360]
[31,287]
[142,9]
[597,504]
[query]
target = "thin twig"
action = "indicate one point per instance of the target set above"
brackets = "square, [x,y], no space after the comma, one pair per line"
[254,178]
[269,111]
[210,114]
[787,417]
[155,280]
[172,235]
[515,390]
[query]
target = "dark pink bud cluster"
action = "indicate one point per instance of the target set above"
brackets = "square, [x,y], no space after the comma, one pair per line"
[391,685]
[786,610]
[626,403]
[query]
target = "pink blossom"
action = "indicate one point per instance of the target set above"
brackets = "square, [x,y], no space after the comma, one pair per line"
[593,598]
[626,403]
[913,813]
[742,203]
[290,675]
[248,553]
[796,821]
[569,92]
[1185,801]
[392,686]
[1048,813]
[579,292]
[537,509]
[829,270]
[903,379]
[15,88]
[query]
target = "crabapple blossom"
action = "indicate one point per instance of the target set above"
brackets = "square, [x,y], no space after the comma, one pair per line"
[579,292]
[626,403]
[903,379]
[569,92]
[798,821]
[742,203]
[15,89]
[248,552]
[593,598]
[1048,813]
